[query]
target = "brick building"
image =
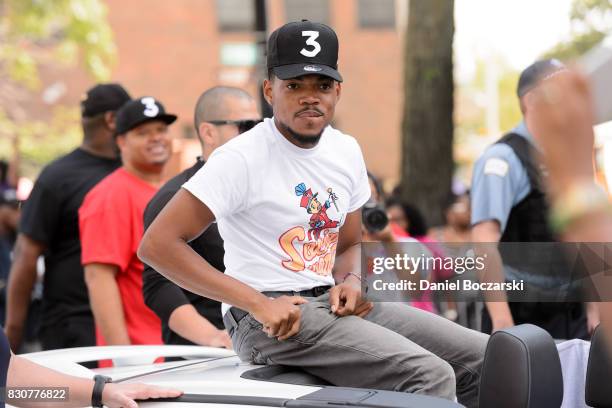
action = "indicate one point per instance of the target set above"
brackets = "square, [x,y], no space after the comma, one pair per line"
[176,49]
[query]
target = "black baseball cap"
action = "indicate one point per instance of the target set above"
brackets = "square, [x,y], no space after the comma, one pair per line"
[303,48]
[139,111]
[103,98]
[536,72]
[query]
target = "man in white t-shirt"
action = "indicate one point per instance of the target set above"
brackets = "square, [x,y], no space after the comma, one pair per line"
[287,198]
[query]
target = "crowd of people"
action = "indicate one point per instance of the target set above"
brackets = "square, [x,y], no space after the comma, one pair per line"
[130,258]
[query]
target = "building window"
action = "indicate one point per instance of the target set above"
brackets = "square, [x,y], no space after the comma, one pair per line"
[236,15]
[313,10]
[376,13]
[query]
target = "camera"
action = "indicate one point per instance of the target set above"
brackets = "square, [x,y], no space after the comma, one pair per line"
[374,216]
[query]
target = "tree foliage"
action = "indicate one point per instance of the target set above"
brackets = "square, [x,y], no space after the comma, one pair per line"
[591,21]
[37,33]
[508,104]
[593,13]
[65,26]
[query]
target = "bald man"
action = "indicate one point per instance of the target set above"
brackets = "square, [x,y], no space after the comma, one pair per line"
[221,114]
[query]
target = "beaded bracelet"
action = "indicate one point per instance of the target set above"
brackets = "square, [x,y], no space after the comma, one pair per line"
[575,203]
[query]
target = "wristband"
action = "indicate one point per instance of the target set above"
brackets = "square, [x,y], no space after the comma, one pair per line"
[363,287]
[96,395]
[579,200]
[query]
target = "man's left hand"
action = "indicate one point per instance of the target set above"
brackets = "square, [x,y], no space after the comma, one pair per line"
[345,300]
[220,339]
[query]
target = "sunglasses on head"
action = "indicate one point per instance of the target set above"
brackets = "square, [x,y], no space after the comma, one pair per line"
[243,125]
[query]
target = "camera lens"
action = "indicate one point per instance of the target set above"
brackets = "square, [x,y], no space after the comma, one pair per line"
[374,217]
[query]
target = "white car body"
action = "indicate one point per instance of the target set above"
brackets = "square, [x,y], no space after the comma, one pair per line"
[205,372]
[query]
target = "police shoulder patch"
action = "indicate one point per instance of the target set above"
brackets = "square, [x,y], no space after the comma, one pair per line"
[496,166]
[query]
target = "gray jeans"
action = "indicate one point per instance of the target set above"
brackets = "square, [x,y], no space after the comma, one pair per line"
[395,347]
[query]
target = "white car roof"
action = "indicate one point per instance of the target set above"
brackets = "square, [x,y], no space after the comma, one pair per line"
[214,375]
[206,370]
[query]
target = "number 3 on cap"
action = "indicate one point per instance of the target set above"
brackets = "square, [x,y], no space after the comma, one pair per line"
[312,36]
[151,109]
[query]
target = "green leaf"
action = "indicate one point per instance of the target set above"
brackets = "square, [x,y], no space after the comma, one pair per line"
[34,33]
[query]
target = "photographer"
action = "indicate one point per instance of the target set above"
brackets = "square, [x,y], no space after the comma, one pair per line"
[377,228]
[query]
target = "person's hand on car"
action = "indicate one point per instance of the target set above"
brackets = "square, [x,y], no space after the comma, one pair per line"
[280,317]
[124,395]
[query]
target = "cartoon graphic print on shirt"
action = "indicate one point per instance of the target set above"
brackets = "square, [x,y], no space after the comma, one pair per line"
[318,254]
[319,219]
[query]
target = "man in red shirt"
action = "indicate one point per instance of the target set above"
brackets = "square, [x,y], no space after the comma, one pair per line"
[111,226]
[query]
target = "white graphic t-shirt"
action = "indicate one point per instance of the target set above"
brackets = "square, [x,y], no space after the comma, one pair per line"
[279,207]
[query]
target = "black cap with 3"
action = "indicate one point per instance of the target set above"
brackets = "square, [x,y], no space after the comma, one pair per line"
[303,48]
[139,111]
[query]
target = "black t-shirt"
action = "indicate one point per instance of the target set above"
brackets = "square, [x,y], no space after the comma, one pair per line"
[163,296]
[51,217]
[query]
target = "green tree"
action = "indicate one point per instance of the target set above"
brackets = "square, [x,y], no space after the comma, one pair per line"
[509,108]
[35,33]
[591,22]
[471,131]
[508,104]
[427,129]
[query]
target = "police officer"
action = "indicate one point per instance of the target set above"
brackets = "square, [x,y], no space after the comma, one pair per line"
[509,205]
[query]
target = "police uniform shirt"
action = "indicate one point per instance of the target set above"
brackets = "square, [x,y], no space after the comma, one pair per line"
[499,182]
